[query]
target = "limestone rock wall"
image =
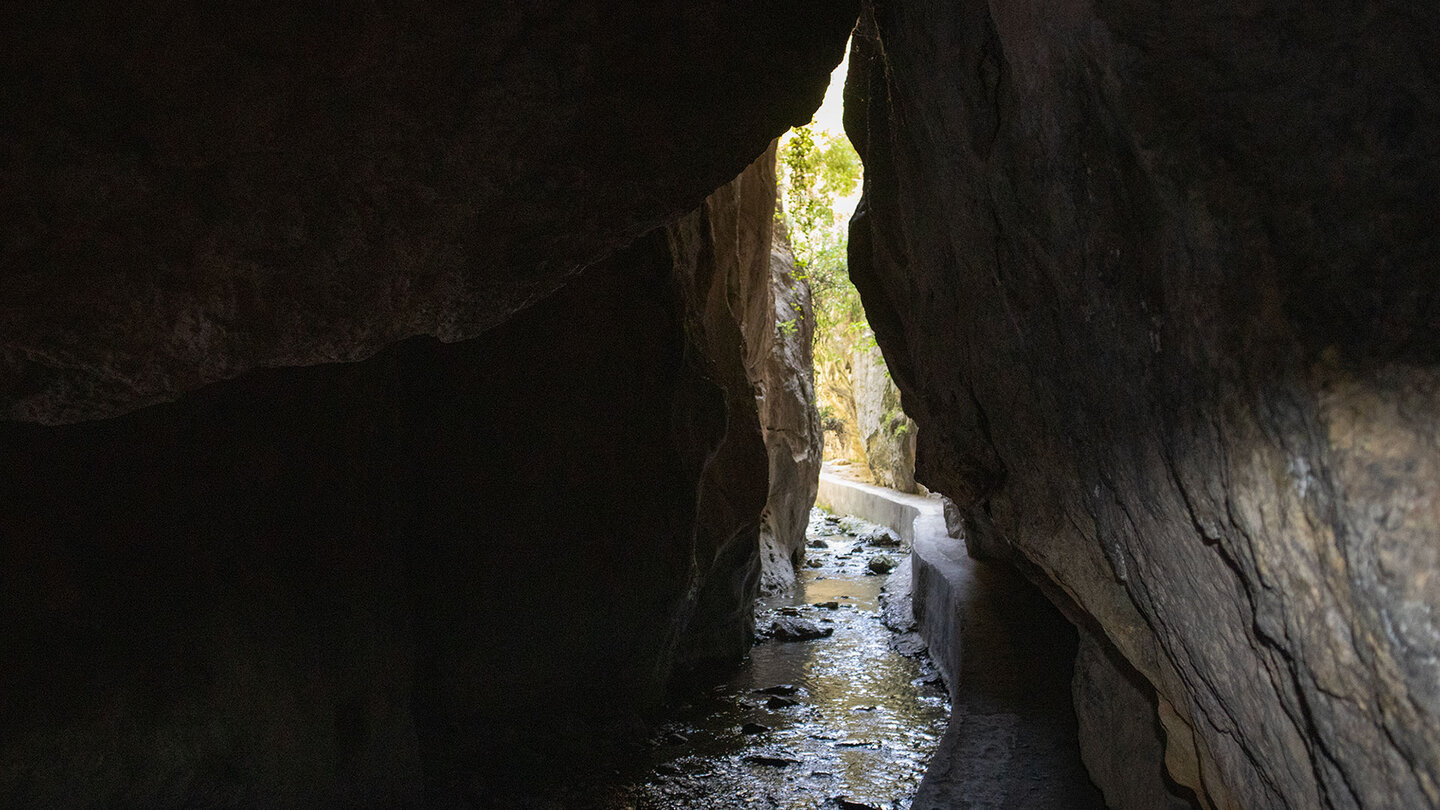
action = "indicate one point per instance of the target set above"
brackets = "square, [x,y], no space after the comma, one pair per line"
[866,430]
[747,267]
[443,572]
[234,573]
[1121,740]
[193,191]
[887,433]
[713,247]
[311,585]
[407,578]
[1157,283]
[835,390]
[785,390]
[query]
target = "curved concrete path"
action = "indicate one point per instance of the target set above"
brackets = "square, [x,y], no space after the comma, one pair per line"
[1006,654]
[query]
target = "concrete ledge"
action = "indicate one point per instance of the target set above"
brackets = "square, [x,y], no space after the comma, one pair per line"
[941,577]
[1007,657]
[875,504]
[940,568]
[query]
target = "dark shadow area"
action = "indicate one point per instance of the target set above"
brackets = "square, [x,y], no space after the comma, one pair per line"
[1012,739]
[414,575]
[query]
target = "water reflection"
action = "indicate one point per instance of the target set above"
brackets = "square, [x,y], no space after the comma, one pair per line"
[864,718]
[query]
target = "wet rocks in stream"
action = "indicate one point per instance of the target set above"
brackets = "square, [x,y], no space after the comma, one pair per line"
[826,713]
[881,537]
[780,689]
[846,804]
[794,628]
[881,564]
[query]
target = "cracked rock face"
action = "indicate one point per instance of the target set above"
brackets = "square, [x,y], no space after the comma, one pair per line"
[193,191]
[1158,287]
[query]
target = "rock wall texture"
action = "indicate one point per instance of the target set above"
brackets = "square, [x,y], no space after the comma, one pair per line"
[785,395]
[1121,740]
[416,578]
[713,249]
[193,191]
[865,428]
[887,433]
[393,580]
[753,282]
[266,593]
[835,391]
[1158,284]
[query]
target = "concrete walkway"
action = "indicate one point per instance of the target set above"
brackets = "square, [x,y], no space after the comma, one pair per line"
[1006,654]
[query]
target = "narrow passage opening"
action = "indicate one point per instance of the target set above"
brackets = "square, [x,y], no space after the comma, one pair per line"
[839,704]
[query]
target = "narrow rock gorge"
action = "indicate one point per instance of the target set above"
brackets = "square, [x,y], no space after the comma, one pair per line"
[1159,287]
[396,401]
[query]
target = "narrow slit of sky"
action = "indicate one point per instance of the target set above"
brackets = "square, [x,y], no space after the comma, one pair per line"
[830,118]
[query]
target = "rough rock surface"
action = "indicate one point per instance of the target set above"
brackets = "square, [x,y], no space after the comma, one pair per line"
[408,579]
[755,272]
[864,425]
[1157,282]
[794,628]
[835,392]
[399,579]
[785,395]
[887,434]
[192,191]
[712,248]
[1121,740]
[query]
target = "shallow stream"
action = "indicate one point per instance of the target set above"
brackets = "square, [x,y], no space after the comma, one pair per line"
[844,721]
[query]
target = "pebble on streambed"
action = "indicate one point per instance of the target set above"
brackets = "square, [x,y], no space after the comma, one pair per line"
[881,537]
[794,628]
[882,564]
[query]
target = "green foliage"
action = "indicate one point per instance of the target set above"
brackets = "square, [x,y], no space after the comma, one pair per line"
[896,421]
[817,169]
[830,421]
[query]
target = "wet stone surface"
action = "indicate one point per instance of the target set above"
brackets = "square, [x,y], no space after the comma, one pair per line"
[839,721]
